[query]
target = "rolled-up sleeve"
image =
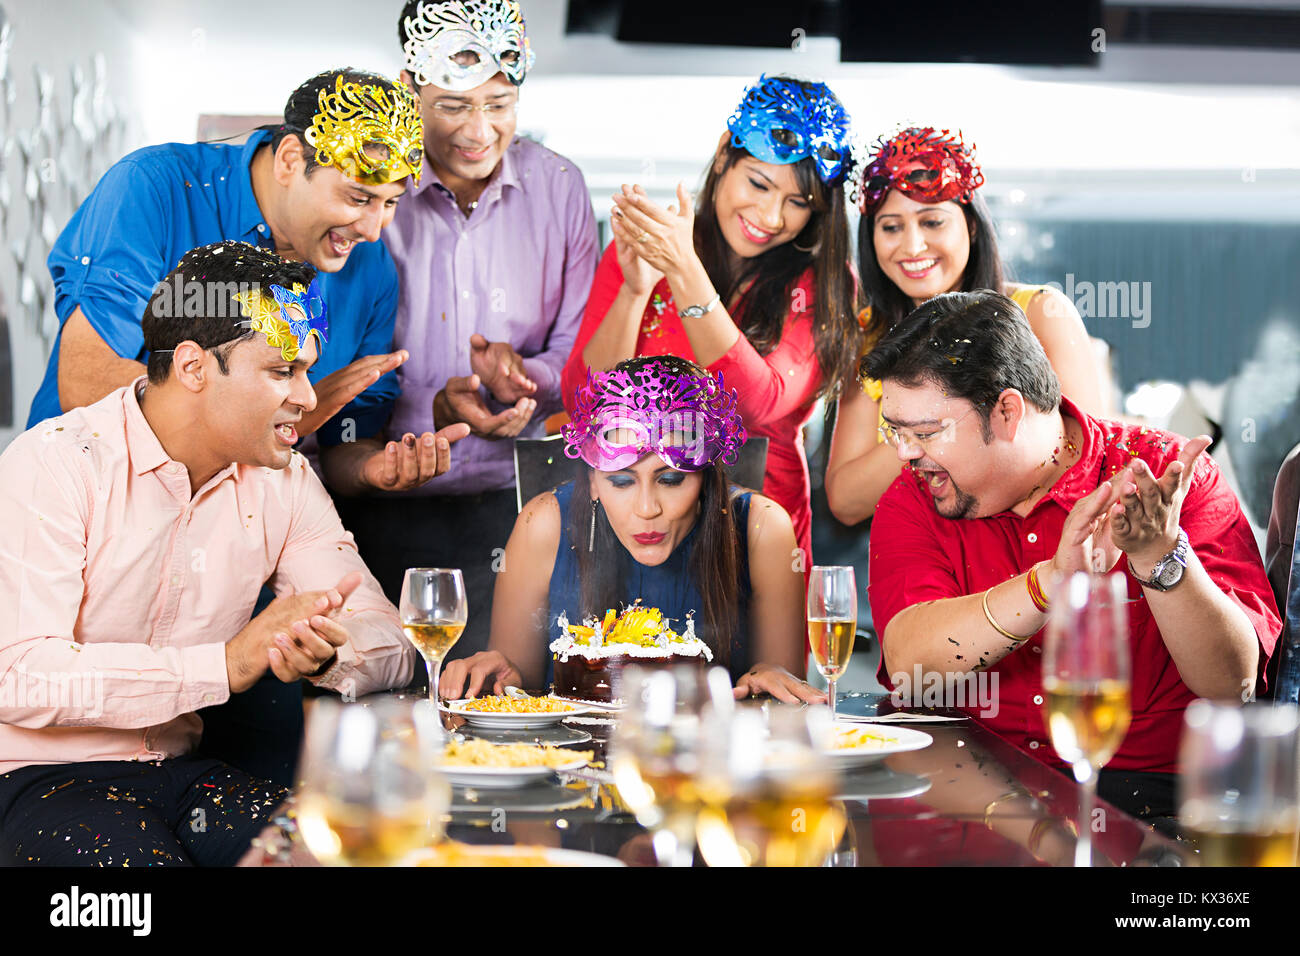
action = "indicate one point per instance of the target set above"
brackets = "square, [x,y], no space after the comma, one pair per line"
[47,677]
[109,279]
[316,556]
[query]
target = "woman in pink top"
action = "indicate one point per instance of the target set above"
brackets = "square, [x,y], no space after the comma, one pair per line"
[753,283]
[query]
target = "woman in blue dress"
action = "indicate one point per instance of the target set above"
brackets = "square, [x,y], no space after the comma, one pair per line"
[654,518]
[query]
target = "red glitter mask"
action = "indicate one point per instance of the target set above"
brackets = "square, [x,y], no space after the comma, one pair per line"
[924,164]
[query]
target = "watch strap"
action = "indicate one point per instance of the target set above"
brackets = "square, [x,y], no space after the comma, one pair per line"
[699,311]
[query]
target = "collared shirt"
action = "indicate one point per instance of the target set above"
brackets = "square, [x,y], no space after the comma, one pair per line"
[517,270]
[918,555]
[120,589]
[157,204]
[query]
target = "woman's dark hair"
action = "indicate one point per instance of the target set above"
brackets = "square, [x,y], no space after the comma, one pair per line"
[973,345]
[823,244]
[715,558]
[888,302]
[303,103]
[195,301]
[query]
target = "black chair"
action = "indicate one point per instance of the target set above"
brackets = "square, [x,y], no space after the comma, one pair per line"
[541,464]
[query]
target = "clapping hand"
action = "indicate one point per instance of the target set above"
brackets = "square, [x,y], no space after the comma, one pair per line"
[409,463]
[501,370]
[460,401]
[1144,520]
[639,276]
[663,238]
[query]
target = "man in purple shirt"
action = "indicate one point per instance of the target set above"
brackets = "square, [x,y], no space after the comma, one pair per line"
[495,251]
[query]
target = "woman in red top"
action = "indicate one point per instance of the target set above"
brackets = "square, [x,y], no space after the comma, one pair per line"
[753,282]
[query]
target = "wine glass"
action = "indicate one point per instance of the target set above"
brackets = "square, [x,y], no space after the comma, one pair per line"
[779,787]
[657,747]
[1086,683]
[1237,787]
[434,612]
[370,792]
[832,621]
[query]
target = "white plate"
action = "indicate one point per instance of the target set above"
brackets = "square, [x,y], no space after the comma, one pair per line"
[905,739]
[553,856]
[488,778]
[494,721]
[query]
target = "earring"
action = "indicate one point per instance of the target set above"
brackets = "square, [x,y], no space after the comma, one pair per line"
[811,249]
[591,539]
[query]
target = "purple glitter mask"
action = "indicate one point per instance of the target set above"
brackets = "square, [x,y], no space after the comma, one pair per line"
[687,421]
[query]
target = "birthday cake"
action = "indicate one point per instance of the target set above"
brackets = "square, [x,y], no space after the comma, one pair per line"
[590,656]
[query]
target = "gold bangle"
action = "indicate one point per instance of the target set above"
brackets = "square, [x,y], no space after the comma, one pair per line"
[995,625]
[1036,836]
[1009,795]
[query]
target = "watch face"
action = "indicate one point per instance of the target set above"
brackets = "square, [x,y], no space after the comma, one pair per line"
[1169,574]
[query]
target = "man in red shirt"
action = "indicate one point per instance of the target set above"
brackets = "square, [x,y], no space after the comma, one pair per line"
[1006,479]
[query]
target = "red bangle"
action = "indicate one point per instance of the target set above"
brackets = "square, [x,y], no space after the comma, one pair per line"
[1036,590]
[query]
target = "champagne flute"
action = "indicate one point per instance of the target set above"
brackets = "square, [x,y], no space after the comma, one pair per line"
[370,792]
[1238,783]
[832,621]
[657,747]
[779,787]
[434,612]
[1086,683]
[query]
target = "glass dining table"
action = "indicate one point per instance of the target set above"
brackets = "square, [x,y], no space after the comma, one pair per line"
[968,799]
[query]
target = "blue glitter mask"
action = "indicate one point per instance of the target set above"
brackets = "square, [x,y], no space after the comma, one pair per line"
[289,318]
[780,121]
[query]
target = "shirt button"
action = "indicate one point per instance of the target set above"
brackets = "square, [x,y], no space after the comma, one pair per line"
[1038,699]
[1033,745]
[85,260]
[176,580]
[1031,537]
[1037,649]
[261,227]
[465,294]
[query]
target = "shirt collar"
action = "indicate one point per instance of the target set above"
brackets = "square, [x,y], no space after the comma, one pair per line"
[146,451]
[506,174]
[248,213]
[1082,478]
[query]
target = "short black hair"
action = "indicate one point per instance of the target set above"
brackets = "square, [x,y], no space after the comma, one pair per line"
[195,301]
[973,345]
[304,103]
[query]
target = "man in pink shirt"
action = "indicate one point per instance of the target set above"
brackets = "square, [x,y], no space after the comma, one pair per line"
[139,531]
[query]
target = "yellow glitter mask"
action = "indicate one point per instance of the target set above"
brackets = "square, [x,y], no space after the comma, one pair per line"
[287,317]
[369,132]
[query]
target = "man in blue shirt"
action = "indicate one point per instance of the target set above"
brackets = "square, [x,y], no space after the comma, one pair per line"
[318,188]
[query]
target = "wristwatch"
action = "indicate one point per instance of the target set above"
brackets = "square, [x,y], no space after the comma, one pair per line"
[697,311]
[1169,569]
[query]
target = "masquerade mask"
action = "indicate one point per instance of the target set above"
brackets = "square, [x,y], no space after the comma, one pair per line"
[687,421]
[924,164]
[370,133]
[287,317]
[780,121]
[493,30]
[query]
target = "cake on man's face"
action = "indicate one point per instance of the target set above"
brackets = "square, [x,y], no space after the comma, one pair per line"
[590,656]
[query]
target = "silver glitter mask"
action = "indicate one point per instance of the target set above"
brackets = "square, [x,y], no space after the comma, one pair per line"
[491,29]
